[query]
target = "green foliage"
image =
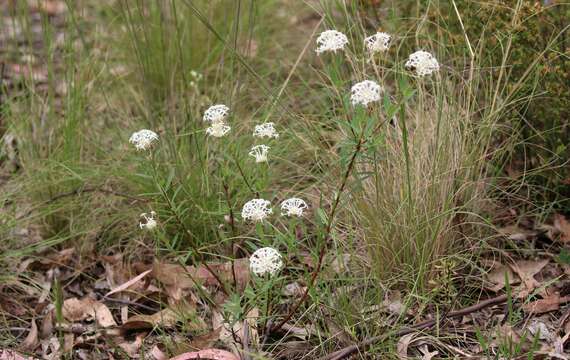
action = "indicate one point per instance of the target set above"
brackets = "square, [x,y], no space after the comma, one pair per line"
[537,35]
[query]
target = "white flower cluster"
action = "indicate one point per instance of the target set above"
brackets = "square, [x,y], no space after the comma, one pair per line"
[143,139]
[378,42]
[265,260]
[256,210]
[216,113]
[265,130]
[331,40]
[259,152]
[365,92]
[293,207]
[218,129]
[148,221]
[422,63]
[216,116]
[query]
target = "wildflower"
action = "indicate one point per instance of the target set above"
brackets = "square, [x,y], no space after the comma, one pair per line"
[365,92]
[196,78]
[216,113]
[331,40]
[218,129]
[422,62]
[149,221]
[195,75]
[259,152]
[378,42]
[265,130]
[143,139]
[265,260]
[293,207]
[256,210]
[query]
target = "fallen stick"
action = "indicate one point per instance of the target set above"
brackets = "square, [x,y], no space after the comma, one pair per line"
[349,350]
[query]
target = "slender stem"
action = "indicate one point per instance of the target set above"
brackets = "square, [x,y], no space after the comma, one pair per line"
[193,246]
[326,236]
[233,226]
[406,153]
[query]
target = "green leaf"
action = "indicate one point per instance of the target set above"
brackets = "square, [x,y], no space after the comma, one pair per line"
[563,257]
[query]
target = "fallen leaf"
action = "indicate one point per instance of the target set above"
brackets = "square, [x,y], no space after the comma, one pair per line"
[545,305]
[426,354]
[167,318]
[300,332]
[47,325]
[403,344]
[205,341]
[338,333]
[393,303]
[185,277]
[12,355]
[340,263]
[129,283]
[51,260]
[516,233]
[78,310]
[540,329]
[498,276]
[208,354]
[157,354]
[132,348]
[526,271]
[238,329]
[31,341]
[294,289]
[563,227]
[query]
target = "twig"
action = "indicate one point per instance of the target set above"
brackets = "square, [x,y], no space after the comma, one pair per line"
[347,351]
[326,236]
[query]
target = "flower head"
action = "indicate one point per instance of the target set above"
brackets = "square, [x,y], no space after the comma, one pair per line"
[259,152]
[331,40]
[365,92]
[378,42]
[265,130]
[216,113]
[196,75]
[265,260]
[143,139]
[256,210]
[422,62]
[218,129]
[293,207]
[148,221]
